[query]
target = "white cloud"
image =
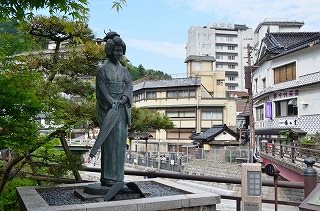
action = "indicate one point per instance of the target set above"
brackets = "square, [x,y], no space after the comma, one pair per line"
[173,50]
[251,12]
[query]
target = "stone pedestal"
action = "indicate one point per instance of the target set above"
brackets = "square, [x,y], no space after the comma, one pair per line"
[190,200]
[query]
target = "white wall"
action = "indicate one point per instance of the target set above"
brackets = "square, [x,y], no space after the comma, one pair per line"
[309,100]
[224,137]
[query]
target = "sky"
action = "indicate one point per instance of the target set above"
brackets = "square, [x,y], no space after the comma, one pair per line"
[156,31]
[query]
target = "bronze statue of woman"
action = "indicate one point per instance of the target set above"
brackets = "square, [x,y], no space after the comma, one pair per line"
[114,97]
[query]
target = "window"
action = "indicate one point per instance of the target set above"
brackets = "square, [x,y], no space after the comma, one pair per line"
[219,66]
[178,134]
[231,47]
[138,97]
[231,87]
[264,85]
[229,39]
[231,78]
[219,56]
[192,93]
[231,57]
[206,46]
[256,85]
[181,94]
[260,113]
[212,114]
[181,113]
[231,66]
[285,73]
[286,107]
[151,95]
[219,47]
[172,94]
[220,82]
[196,66]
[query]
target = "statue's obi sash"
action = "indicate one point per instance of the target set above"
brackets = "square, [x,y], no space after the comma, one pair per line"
[116,88]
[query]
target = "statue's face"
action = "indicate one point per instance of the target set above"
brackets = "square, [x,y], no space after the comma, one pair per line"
[117,53]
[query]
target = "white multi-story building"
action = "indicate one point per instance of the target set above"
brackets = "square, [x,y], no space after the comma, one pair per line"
[227,43]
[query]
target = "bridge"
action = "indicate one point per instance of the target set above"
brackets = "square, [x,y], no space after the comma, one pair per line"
[80,146]
[289,159]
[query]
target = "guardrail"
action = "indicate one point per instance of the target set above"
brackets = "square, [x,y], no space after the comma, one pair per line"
[291,153]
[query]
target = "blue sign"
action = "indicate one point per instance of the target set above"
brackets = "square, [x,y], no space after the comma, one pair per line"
[268,109]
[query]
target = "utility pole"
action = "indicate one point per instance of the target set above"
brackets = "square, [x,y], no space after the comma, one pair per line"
[248,85]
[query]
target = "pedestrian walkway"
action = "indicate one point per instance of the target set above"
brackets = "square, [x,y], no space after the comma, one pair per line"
[230,205]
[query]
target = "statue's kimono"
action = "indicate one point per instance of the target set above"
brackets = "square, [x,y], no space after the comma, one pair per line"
[113,81]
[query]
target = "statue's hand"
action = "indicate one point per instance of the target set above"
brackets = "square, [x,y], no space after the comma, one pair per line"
[124,99]
[115,104]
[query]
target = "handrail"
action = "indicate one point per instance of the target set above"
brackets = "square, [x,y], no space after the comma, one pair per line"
[293,152]
[154,174]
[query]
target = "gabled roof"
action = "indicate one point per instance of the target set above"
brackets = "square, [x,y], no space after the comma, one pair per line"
[282,43]
[178,82]
[214,131]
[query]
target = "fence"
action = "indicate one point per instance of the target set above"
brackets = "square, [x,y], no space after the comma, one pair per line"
[174,161]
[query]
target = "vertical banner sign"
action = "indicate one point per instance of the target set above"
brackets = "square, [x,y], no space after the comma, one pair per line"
[268,109]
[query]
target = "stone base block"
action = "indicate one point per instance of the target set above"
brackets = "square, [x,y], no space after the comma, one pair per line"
[191,200]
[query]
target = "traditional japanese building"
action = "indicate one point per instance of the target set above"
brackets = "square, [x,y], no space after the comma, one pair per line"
[286,83]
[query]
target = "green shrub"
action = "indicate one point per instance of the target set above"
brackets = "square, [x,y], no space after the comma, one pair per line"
[307,141]
[8,197]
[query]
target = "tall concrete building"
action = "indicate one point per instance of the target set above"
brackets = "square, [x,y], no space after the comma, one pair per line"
[227,43]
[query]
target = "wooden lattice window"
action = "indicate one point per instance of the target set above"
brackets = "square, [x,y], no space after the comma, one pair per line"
[285,73]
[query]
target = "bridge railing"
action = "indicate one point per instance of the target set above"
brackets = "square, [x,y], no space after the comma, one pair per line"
[80,142]
[291,153]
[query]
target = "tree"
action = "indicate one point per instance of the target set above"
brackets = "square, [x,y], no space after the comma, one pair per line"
[140,73]
[144,120]
[65,68]
[12,41]
[25,95]
[58,30]
[21,101]
[21,9]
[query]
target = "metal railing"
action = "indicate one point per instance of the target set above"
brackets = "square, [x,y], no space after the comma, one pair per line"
[291,153]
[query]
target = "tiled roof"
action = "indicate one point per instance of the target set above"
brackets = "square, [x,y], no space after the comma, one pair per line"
[282,43]
[213,132]
[178,82]
[200,58]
